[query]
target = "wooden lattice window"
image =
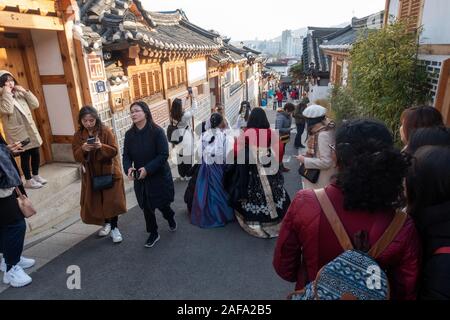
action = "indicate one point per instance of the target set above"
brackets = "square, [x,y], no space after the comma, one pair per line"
[183,74]
[158,85]
[144,84]
[411,10]
[135,83]
[151,85]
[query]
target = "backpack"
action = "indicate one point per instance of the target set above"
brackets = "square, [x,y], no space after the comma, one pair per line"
[354,274]
[177,138]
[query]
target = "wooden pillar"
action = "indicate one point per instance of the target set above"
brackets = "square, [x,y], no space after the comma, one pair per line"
[41,114]
[82,69]
[72,75]
[443,94]
[386,13]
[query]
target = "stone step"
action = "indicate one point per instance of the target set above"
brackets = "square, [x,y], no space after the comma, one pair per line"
[59,176]
[62,205]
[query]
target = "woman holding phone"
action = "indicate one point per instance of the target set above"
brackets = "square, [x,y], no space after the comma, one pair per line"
[16,104]
[95,147]
[145,154]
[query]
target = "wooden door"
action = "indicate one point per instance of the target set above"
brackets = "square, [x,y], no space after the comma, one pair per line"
[11,59]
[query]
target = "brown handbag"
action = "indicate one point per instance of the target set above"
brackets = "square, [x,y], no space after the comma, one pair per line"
[25,204]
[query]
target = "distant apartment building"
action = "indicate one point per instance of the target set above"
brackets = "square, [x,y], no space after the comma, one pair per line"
[287,43]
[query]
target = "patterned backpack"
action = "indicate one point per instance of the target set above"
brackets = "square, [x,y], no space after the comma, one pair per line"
[353,275]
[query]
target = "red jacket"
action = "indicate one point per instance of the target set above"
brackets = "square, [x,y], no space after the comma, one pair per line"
[306,230]
[279,96]
[250,134]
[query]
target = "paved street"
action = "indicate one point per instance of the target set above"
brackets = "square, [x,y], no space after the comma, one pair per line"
[192,263]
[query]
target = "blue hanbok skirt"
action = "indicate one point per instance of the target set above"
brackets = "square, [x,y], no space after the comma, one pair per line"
[210,204]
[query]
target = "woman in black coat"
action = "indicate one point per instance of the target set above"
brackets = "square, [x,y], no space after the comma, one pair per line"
[145,155]
[428,192]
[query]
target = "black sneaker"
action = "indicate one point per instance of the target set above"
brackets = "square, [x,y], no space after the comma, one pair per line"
[172,224]
[152,239]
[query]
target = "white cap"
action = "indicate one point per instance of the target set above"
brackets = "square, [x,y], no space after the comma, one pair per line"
[314,111]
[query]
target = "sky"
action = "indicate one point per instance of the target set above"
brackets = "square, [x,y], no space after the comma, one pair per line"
[264,19]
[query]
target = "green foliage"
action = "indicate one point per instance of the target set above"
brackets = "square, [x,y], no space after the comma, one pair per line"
[296,72]
[343,105]
[385,77]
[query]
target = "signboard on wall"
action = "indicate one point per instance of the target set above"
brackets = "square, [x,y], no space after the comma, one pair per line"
[95,66]
[197,71]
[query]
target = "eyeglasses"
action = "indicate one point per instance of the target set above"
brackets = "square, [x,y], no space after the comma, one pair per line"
[332,147]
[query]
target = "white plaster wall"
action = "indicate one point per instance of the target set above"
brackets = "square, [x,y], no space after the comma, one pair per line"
[436,22]
[48,53]
[59,112]
[196,71]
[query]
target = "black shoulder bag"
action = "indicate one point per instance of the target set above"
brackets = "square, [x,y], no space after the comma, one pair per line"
[103,182]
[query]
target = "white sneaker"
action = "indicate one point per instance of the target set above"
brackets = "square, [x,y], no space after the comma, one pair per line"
[116,236]
[32,184]
[105,230]
[24,263]
[16,277]
[39,179]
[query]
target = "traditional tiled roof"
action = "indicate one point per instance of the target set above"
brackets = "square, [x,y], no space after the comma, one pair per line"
[229,53]
[311,50]
[119,23]
[344,39]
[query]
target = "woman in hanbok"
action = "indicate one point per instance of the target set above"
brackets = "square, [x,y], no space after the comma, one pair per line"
[210,201]
[255,187]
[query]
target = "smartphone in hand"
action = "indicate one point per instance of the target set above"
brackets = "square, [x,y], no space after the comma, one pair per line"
[90,140]
[25,142]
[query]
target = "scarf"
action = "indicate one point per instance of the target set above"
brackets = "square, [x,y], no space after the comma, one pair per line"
[9,178]
[311,151]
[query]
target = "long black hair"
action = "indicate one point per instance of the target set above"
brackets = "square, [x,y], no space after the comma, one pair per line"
[245,105]
[428,180]
[146,109]
[370,170]
[258,119]
[432,136]
[176,111]
[86,110]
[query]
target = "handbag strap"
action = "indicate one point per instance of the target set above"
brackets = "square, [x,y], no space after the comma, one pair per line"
[19,193]
[333,219]
[383,242]
[389,234]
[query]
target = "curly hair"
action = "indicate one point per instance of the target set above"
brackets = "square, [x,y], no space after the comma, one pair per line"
[371,170]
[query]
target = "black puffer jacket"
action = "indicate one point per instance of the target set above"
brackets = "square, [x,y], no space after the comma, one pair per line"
[434,226]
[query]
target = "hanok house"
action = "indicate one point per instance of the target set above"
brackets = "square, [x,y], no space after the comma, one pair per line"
[237,74]
[315,62]
[430,18]
[37,47]
[132,54]
[337,45]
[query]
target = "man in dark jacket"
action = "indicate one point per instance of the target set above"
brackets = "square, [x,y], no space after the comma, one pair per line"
[283,122]
[300,123]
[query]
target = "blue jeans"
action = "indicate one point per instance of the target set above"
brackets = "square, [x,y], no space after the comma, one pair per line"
[298,136]
[12,237]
